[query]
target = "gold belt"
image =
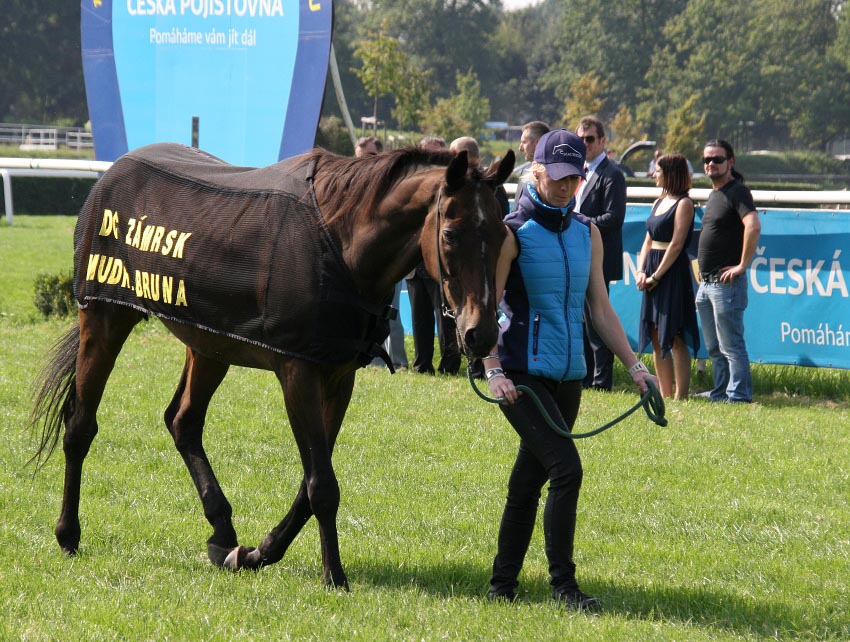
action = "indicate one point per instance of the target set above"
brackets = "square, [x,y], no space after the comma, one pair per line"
[660,245]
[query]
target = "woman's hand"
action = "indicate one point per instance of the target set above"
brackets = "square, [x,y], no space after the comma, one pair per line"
[649,282]
[501,386]
[640,375]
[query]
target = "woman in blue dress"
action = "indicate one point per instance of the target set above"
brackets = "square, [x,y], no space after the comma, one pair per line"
[668,313]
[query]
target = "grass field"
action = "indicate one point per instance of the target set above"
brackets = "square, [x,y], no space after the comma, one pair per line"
[732,523]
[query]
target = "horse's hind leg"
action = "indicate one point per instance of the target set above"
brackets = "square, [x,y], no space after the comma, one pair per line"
[185,417]
[103,331]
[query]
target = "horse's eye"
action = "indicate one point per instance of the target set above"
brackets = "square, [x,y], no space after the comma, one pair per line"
[450,237]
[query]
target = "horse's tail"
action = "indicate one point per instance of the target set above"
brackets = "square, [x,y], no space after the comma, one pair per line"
[55,398]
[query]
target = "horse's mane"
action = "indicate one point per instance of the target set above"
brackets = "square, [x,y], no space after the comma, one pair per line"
[350,184]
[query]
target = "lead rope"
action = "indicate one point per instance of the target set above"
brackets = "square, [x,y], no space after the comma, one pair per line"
[651,401]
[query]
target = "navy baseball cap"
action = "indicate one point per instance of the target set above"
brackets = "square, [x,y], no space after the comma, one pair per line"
[562,152]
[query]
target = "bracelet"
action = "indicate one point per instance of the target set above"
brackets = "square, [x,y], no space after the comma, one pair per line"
[641,272]
[638,367]
[492,373]
[490,356]
[654,277]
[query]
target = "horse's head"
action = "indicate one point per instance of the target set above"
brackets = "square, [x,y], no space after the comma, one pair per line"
[462,254]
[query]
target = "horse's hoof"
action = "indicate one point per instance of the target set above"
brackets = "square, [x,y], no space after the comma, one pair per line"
[217,554]
[70,551]
[237,558]
[331,584]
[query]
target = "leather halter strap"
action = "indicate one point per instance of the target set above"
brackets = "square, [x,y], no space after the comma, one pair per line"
[446,310]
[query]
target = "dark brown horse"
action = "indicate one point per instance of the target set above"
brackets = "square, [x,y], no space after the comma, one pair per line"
[381,214]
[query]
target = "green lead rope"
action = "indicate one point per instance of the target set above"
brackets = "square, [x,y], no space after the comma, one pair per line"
[651,401]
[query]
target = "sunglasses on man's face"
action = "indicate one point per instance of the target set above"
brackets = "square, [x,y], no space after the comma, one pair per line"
[717,160]
[589,139]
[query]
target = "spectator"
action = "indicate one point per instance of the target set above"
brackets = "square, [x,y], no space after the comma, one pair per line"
[432,143]
[394,344]
[668,315]
[473,154]
[655,156]
[367,146]
[550,263]
[426,310]
[650,172]
[602,198]
[727,244]
[531,133]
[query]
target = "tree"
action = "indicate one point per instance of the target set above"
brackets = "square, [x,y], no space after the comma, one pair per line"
[46,84]
[613,41]
[411,98]
[624,130]
[348,21]
[463,114]
[521,47]
[382,71]
[685,129]
[586,96]
[800,84]
[446,37]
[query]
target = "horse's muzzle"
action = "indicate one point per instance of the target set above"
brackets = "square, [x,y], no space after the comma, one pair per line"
[479,338]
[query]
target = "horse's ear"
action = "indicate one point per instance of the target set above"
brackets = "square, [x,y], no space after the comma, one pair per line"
[498,172]
[456,172]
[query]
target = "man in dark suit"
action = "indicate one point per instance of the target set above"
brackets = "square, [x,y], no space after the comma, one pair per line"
[426,310]
[602,198]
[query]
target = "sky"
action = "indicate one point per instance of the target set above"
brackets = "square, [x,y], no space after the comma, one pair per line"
[517,4]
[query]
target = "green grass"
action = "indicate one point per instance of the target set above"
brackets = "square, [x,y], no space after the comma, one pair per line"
[32,244]
[730,524]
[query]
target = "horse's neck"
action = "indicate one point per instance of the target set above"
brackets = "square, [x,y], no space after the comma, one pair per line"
[384,245]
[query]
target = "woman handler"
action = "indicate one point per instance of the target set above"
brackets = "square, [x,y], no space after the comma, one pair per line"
[549,263]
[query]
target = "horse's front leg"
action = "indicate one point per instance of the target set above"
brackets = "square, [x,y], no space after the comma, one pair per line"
[316,402]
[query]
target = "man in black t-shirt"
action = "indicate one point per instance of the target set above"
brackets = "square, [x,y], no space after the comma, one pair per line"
[727,244]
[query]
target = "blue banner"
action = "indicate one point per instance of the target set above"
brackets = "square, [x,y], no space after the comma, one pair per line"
[798,293]
[252,71]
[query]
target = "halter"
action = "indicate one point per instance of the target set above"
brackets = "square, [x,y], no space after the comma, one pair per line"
[447,311]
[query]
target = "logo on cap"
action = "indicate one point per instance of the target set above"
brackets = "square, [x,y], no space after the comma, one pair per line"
[567,151]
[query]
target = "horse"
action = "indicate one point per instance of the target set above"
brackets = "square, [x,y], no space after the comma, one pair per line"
[376,218]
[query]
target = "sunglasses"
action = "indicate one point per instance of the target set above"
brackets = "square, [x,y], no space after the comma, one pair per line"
[717,160]
[589,139]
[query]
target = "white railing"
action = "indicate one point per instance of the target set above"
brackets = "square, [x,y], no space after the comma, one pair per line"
[79,140]
[760,196]
[66,168]
[44,167]
[32,137]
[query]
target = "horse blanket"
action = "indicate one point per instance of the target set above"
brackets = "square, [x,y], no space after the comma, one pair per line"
[242,252]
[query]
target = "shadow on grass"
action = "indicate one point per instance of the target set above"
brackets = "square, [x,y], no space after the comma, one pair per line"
[702,606]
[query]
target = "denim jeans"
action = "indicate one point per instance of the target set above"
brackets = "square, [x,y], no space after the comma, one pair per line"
[721,311]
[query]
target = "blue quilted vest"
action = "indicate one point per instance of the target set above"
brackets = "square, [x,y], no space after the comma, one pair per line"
[545,291]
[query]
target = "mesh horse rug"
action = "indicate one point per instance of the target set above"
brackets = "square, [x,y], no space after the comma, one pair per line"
[242,252]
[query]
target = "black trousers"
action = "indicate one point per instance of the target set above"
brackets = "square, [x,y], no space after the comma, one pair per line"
[543,455]
[424,295]
[597,356]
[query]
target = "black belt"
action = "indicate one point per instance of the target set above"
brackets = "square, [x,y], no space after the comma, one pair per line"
[710,277]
